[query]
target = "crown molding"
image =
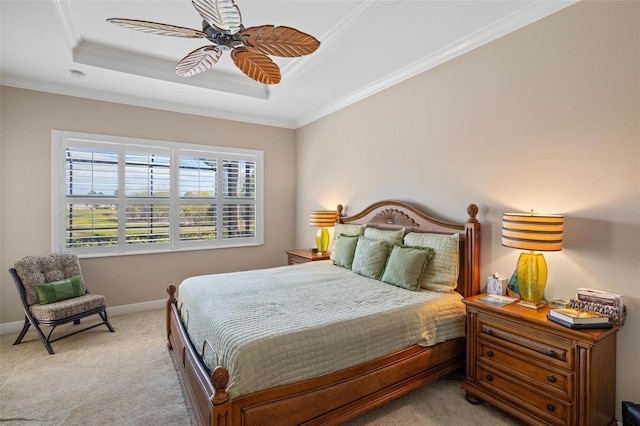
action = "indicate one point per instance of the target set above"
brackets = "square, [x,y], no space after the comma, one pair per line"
[525,16]
[95,53]
[65,17]
[58,89]
[101,56]
[329,42]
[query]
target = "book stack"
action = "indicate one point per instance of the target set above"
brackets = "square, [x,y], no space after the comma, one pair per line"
[579,318]
[602,302]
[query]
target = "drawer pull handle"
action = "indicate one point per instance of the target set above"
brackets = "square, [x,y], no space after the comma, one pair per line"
[489,332]
[489,377]
[489,353]
[552,378]
[551,407]
[551,352]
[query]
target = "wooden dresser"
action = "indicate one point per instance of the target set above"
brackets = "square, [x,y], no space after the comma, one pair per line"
[536,370]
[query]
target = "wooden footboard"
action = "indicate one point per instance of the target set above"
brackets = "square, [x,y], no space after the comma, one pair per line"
[330,399]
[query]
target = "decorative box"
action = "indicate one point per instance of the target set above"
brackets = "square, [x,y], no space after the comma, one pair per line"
[497,285]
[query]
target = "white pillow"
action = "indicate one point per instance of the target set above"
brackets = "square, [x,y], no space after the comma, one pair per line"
[386,235]
[442,273]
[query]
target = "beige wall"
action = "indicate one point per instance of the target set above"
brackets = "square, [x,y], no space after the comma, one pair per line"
[547,118]
[27,120]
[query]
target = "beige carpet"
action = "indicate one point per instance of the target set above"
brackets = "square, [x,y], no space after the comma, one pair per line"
[128,378]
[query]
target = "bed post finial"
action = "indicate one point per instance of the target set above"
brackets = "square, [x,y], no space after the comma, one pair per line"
[340,208]
[472,248]
[171,289]
[220,379]
[472,210]
[220,399]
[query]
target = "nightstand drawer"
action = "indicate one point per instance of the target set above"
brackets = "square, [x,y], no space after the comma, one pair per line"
[551,410]
[536,343]
[553,380]
[296,260]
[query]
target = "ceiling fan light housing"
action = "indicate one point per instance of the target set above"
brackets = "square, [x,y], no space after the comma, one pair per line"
[225,42]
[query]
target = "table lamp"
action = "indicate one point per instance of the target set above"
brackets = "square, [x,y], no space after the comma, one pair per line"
[532,232]
[323,219]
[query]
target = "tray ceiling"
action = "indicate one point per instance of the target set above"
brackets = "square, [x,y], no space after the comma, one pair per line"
[366,47]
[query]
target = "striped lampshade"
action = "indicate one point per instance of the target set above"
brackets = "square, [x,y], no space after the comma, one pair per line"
[529,231]
[323,218]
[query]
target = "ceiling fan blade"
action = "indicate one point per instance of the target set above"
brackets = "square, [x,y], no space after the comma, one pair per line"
[279,41]
[198,61]
[157,28]
[256,66]
[222,15]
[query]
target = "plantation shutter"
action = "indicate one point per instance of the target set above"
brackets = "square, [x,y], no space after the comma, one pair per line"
[121,195]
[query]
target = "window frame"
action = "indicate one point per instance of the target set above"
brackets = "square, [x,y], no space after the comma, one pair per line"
[60,140]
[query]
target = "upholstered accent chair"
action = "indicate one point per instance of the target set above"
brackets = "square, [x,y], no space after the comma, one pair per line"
[53,293]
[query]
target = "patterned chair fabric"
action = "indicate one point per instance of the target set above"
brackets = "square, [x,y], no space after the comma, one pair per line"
[33,270]
[67,308]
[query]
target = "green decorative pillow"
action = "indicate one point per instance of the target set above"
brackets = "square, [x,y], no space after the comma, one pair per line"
[370,258]
[344,251]
[56,291]
[442,274]
[406,266]
[352,230]
[392,237]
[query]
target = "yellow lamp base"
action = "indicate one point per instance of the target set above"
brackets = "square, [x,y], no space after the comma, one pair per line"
[530,305]
[322,240]
[531,273]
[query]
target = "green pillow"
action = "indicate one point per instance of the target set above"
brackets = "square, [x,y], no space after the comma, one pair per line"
[442,274]
[345,229]
[406,266]
[344,251]
[370,258]
[56,291]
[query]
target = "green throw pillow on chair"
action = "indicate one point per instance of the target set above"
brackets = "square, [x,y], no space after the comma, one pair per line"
[56,291]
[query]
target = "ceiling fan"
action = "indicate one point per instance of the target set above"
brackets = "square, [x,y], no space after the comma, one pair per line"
[222,26]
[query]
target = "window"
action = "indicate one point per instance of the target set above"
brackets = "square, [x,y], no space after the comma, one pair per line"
[116,195]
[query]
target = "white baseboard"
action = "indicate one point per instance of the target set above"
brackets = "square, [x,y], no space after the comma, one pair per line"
[136,307]
[15,327]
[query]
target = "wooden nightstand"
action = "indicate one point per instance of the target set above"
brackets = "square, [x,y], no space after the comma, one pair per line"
[536,370]
[304,256]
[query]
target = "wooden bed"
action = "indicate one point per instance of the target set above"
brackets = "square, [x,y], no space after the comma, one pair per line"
[334,398]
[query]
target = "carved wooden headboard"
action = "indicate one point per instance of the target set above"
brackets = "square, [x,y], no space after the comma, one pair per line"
[390,214]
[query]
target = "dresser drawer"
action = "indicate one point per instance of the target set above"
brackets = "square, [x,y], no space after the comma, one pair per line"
[545,347]
[544,407]
[549,379]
